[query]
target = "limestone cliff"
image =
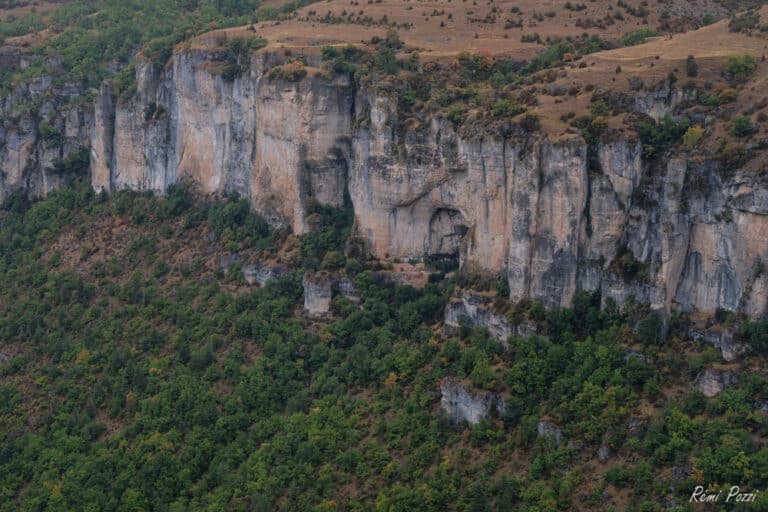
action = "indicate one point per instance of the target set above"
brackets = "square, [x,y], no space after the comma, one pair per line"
[279,143]
[42,122]
[544,213]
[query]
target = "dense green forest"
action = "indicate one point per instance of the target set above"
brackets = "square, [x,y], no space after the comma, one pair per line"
[140,378]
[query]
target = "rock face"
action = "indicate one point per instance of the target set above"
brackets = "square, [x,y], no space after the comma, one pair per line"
[318,294]
[34,139]
[552,217]
[712,382]
[549,430]
[278,143]
[476,311]
[723,340]
[261,274]
[461,405]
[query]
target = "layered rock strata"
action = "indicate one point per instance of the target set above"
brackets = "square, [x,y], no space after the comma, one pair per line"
[552,216]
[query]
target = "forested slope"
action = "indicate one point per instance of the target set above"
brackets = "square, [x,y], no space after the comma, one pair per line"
[141,376]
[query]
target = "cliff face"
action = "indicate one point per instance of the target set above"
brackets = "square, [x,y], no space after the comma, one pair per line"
[280,144]
[531,209]
[38,129]
[534,211]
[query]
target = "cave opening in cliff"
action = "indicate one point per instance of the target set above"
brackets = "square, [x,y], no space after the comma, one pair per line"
[447,229]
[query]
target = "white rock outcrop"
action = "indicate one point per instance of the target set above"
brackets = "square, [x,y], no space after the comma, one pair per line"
[462,405]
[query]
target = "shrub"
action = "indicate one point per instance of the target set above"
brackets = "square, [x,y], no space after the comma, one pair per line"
[74,163]
[124,81]
[239,46]
[691,67]
[649,329]
[658,137]
[231,71]
[386,60]
[693,136]
[618,476]
[739,67]
[333,260]
[638,36]
[455,114]
[628,266]
[328,53]
[732,157]
[530,123]
[482,375]
[49,133]
[756,333]
[742,127]
[291,72]
[552,56]
[594,44]
[504,108]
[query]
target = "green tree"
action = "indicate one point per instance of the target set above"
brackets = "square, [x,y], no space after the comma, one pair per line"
[482,375]
[691,66]
[742,127]
[739,67]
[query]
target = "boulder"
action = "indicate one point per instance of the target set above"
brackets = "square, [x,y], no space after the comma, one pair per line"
[636,427]
[346,287]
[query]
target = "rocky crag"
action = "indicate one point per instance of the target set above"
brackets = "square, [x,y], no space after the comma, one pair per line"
[551,215]
[459,404]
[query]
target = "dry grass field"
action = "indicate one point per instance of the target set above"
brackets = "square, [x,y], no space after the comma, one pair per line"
[446,28]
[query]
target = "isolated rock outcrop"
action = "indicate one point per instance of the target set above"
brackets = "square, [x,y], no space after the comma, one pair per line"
[346,287]
[261,274]
[476,310]
[318,293]
[722,339]
[549,430]
[711,382]
[473,407]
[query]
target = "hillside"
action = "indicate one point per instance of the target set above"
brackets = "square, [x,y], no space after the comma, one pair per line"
[139,375]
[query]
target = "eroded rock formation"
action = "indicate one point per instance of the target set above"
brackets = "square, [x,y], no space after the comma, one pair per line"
[473,407]
[552,216]
[318,294]
[711,382]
